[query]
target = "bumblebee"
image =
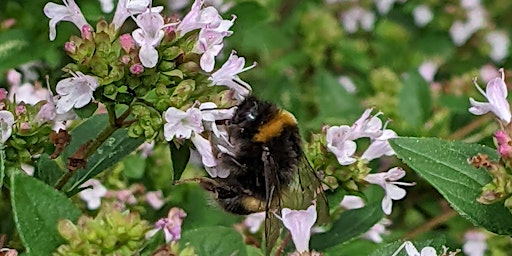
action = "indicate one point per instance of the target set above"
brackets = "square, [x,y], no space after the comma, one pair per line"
[267,167]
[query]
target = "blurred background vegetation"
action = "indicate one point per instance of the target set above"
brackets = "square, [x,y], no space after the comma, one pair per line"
[325,61]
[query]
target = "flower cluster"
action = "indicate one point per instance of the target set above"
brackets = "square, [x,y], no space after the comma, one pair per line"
[340,142]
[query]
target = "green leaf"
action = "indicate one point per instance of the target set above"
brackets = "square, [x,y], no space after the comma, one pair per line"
[48,170]
[115,148]
[134,166]
[414,99]
[179,158]
[349,225]
[153,243]
[333,99]
[215,241]
[86,111]
[37,209]
[444,165]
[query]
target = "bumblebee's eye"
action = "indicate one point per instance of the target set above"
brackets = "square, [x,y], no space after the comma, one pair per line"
[251,115]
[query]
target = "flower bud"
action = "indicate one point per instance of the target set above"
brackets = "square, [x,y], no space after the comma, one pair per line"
[190,68]
[86,32]
[70,48]
[136,69]
[127,42]
[166,65]
[171,53]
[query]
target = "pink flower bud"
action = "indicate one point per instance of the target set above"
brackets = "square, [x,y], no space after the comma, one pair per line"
[3,94]
[13,77]
[127,42]
[20,109]
[8,23]
[125,59]
[501,137]
[25,126]
[70,47]
[136,69]
[86,32]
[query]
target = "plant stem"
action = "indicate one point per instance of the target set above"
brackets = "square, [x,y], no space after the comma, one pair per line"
[432,223]
[114,125]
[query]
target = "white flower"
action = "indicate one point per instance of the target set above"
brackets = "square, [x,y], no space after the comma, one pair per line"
[499,42]
[48,111]
[340,145]
[426,251]
[388,181]
[355,17]
[384,6]
[28,93]
[127,8]
[496,93]
[75,92]
[107,6]
[254,221]
[350,202]
[367,126]
[67,12]
[428,70]
[148,36]
[380,146]
[6,123]
[228,75]
[375,233]
[422,15]
[93,194]
[199,18]
[209,43]
[188,125]
[474,243]
[181,124]
[348,84]
[299,223]
[460,32]
[155,199]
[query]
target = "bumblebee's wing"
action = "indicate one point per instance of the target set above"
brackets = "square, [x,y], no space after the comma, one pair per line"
[273,203]
[305,189]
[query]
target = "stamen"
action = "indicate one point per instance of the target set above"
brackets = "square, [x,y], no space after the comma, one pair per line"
[477,86]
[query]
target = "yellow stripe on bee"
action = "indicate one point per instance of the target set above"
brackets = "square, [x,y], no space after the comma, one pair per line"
[274,127]
[253,204]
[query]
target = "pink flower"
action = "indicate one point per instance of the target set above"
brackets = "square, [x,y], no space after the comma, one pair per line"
[67,12]
[155,199]
[204,148]
[75,92]
[228,75]
[504,144]
[8,252]
[340,145]
[6,123]
[350,202]
[3,94]
[27,93]
[367,126]
[299,223]
[388,181]
[428,70]
[210,44]
[199,18]
[126,196]
[380,146]
[496,93]
[48,111]
[170,225]
[254,221]
[127,8]
[375,233]
[148,37]
[93,193]
[474,243]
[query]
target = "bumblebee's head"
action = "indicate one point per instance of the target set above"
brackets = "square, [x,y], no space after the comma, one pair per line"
[253,112]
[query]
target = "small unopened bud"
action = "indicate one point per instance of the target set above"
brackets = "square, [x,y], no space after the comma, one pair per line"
[190,68]
[125,59]
[25,126]
[20,109]
[3,94]
[127,42]
[136,69]
[70,47]
[86,32]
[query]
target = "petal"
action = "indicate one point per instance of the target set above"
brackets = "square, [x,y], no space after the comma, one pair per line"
[428,251]
[204,148]
[300,222]
[411,249]
[207,61]
[387,205]
[395,192]
[148,56]
[479,108]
